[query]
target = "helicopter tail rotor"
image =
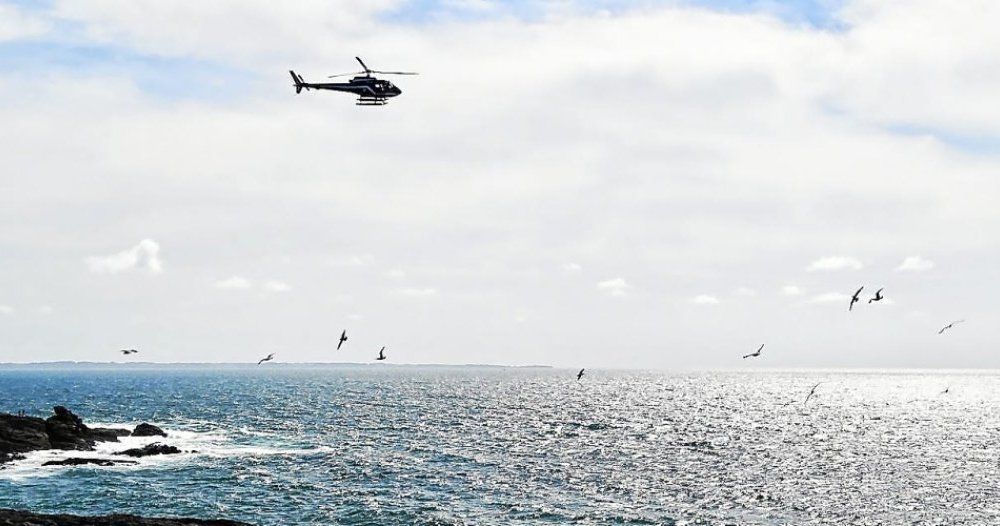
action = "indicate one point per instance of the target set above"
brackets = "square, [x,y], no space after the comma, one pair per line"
[299,83]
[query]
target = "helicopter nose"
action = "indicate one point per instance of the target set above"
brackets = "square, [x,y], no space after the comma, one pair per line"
[396,91]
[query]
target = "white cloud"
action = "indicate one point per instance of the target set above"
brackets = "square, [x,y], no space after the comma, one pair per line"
[614,286]
[145,255]
[791,290]
[417,292]
[45,310]
[234,282]
[355,317]
[745,292]
[705,299]
[829,297]
[396,273]
[357,260]
[480,6]
[276,286]
[6,309]
[571,268]
[835,263]
[773,131]
[16,24]
[915,264]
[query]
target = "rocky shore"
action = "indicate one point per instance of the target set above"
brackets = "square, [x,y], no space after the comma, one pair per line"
[66,431]
[24,518]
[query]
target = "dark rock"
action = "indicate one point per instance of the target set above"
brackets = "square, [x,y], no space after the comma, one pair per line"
[24,518]
[108,434]
[67,431]
[82,461]
[150,449]
[148,430]
[63,430]
[20,434]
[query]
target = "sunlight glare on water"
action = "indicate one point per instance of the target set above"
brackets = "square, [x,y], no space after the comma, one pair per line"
[464,445]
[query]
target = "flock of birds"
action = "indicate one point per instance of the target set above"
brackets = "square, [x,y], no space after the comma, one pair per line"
[340,343]
[855,298]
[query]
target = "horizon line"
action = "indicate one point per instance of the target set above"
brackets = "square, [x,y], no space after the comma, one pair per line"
[689,369]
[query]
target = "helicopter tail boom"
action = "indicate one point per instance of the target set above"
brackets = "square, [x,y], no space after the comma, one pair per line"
[299,83]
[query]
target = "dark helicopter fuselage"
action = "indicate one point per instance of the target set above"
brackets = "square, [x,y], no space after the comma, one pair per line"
[368,89]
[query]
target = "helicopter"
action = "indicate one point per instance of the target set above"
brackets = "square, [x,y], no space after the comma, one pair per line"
[371,91]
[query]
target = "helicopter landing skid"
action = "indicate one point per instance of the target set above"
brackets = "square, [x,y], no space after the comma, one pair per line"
[367,101]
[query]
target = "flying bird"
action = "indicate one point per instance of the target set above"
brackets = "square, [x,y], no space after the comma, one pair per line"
[381,354]
[129,351]
[755,353]
[811,393]
[878,296]
[343,338]
[950,325]
[946,389]
[268,359]
[580,374]
[855,299]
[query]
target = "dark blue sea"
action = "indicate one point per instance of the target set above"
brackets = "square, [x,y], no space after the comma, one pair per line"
[409,445]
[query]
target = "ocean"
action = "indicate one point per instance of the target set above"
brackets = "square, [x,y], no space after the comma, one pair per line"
[434,445]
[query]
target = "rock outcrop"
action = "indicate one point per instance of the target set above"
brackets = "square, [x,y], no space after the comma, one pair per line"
[20,434]
[24,518]
[148,430]
[155,448]
[63,430]
[67,431]
[74,461]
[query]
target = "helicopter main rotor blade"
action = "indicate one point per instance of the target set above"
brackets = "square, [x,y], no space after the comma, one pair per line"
[346,74]
[395,72]
[363,65]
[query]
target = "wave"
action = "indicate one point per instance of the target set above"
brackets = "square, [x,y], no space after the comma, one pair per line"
[196,447]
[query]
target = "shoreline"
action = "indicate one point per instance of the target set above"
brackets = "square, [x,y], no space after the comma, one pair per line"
[12,517]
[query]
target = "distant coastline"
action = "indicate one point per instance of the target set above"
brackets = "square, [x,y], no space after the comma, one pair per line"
[280,365]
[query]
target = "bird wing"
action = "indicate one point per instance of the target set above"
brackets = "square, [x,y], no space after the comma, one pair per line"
[811,392]
[760,348]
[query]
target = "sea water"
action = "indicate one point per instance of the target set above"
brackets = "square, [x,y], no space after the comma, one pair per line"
[327,444]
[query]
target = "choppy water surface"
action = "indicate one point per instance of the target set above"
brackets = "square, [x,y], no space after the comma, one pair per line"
[422,445]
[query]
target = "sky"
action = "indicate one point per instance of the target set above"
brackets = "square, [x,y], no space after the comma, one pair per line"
[572,183]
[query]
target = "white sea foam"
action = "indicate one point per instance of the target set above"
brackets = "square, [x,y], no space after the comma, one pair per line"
[196,446]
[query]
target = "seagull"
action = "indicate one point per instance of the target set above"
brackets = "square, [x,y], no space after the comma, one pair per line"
[754,354]
[811,393]
[854,298]
[343,338]
[268,359]
[381,354]
[580,374]
[946,389]
[129,351]
[950,325]
[878,296]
